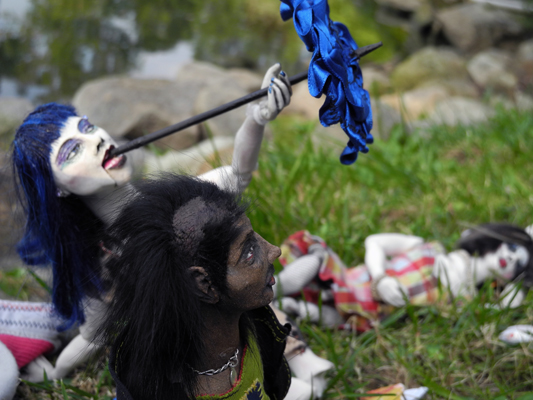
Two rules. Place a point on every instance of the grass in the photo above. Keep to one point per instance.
(432, 185)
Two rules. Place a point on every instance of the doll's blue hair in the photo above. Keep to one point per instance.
(60, 232)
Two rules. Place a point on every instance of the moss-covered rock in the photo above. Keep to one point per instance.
(429, 64)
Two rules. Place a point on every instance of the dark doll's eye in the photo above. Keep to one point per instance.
(250, 254)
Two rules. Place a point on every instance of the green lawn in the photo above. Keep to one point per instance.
(432, 186)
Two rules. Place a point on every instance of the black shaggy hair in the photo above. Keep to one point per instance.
(154, 312)
(486, 238)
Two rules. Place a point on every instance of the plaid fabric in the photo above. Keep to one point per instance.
(352, 286)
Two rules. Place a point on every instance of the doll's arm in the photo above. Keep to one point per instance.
(295, 276)
(377, 248)
(512, 296)
(250, 135)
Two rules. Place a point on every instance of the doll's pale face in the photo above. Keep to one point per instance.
(250, 275)
(506, 259)
(78, 159)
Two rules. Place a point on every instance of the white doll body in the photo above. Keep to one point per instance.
(457, 271)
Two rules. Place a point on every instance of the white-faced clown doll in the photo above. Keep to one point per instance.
(71, 190)
(402, 267)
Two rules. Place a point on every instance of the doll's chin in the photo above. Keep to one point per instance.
(120, 175)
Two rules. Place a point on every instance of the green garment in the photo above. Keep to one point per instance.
(249, 384)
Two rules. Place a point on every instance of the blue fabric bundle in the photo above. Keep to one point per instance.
(334, 71)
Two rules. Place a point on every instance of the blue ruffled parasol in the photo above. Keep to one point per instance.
(334, 71)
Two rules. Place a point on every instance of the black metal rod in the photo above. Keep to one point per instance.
(144, 140)
(151, 137)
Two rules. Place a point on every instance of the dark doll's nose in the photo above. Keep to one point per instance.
(274, 253)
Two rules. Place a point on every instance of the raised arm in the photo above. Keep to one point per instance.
(377, 248)
(250, 135)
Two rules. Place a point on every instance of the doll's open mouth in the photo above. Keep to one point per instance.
(113, 162)
(271, 280)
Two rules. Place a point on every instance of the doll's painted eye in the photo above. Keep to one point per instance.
(74, 152)
(512, 247)
(69, 150)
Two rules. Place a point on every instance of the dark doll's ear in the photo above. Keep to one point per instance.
(202, 286)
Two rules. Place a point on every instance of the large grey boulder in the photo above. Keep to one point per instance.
(475, 27)
(384, 118)
(417, 102)
(193, 160)
(402, 5)
(523, 63)
(431, 64)
(460, 111)
(464, 87)
(375, 80)
(215, 95)
(128, 107)
(302, 103)
(214, 87)
(13, 110)
(491, 70)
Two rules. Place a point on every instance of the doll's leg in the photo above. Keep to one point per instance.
(310, 368)
(9, 374)
(78, 351)
(299, 390)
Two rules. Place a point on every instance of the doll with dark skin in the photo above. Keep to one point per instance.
(191, 289)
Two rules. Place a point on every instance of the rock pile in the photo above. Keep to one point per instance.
(474, 57)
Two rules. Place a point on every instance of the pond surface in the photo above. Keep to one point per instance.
(49, 48)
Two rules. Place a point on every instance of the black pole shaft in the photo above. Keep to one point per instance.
(144, 140)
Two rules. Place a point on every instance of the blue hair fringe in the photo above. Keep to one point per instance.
(60, 232)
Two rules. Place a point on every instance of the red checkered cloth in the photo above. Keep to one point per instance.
(352, 286)
(28, 329)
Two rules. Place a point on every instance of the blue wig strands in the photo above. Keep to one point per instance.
(60, 232)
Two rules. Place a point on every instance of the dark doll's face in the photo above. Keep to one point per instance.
(250, 274)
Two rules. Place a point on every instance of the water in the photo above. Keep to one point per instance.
(49, 48)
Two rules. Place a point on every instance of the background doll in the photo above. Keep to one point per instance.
(399, 267)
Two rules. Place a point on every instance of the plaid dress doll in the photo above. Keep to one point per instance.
(351, 288)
